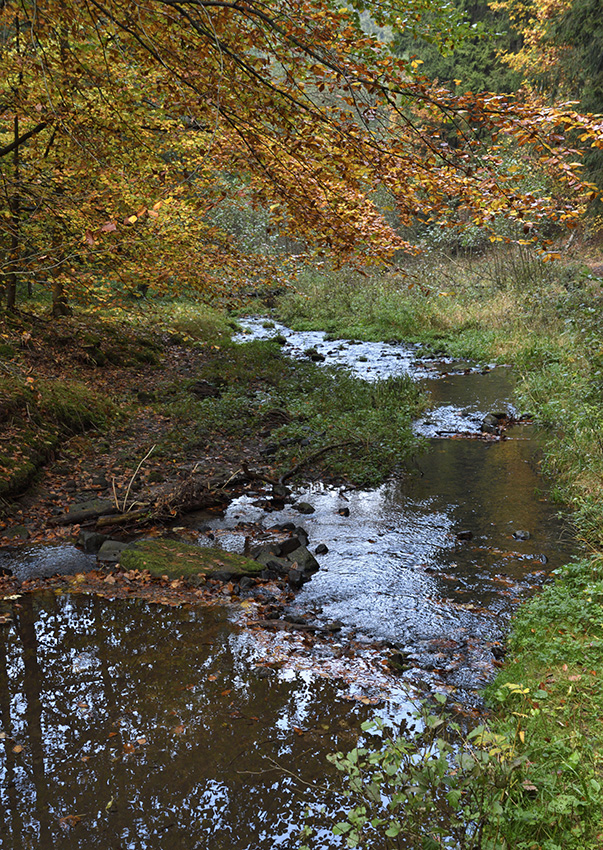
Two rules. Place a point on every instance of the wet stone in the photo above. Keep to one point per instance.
(289, 545)
(91, 541)
(110, 551)
(279, 491)
(521, 535)
(321, 549)
(297, 578)
(304, 508)
(305, 560)
(302, 534)
(17, 532)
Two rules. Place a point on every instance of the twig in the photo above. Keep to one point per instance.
(136, 471)
(314, 456)
(296, 777)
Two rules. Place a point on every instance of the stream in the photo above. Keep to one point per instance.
(126, 724)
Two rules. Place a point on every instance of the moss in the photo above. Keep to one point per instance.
(176, 559)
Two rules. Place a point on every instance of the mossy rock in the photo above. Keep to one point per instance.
(176, 559)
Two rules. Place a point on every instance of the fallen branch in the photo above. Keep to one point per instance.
(77, 517)
(123, 519)
(311, 458)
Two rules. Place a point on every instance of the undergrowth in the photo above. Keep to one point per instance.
(302, 415)
(35, 417)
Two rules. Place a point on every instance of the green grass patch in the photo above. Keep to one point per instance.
(348, 428)
(184, 560)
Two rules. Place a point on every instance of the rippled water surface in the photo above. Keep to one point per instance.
(129, 725)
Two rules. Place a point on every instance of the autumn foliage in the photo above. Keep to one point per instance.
(128, 131)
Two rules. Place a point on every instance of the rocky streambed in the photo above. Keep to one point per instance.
(205, 722)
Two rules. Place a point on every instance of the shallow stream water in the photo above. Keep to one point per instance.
(130, 725)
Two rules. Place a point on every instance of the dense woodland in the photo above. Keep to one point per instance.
(186, 146)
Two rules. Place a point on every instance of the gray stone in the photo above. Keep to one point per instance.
(521, 535)
(321, 549)
(110, 551)
(302, 534)
(493, 423)
(304, 508)
(17, 532)
(96, 507)
(304, 560)
(289, 545)
(296, 578)
(279, 565)
(279, 491)
(265, 552)
(91, 541)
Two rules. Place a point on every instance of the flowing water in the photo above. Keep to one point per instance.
(130, 725)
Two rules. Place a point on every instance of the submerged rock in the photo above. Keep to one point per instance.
(304, 508)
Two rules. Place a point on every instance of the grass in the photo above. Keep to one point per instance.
(302, 411)
(35, 417)
(544, 318)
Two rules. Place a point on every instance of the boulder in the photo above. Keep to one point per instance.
(304, 560)
(91, 541)
(111, 551)
(289, 545)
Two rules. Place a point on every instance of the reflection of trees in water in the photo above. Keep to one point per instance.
(82, 679)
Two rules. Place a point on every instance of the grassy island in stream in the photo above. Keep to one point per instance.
(540, 786)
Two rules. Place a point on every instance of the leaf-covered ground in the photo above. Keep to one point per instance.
(164, 411)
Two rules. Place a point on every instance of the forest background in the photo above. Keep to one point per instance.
(419, 171)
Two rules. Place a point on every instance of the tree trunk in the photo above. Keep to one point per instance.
(15, 226)
(60, 307)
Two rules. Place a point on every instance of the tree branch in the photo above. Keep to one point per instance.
(19, 141)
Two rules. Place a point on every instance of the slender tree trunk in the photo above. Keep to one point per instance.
(15, 226)
(12, 818)
(60, 307)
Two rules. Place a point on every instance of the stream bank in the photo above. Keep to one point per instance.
(427, 570)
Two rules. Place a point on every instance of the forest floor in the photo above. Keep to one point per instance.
(160, 409)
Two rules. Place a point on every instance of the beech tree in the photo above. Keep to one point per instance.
(125, 126)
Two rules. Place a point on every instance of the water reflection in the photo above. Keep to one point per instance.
(398, 568)
(130, 725)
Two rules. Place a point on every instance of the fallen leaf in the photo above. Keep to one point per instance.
(69, 820)
(18, 749)
(178, 730)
